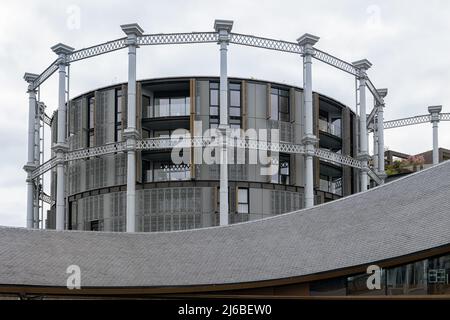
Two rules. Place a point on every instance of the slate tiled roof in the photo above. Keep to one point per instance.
(403, 217)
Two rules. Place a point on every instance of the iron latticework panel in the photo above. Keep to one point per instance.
(271, 44)
(374, 177)
(47, 119)
(335, 62)
(407, 121)
(374, 91)
(178, 38)
(43, 168)
(46, 198)
(337, 158)
(445, 117)
(95, 151)
(45, 74)
(97, 50)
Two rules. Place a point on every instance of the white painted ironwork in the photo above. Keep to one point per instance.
(43, 168)
(51, 69)
(337, 158)
(271, 44)
(375, 177)
(335, 62)
(445, 116)
(407, 121)
(374, 91)
(47, 119)
(95, 151)
(178, 38)
(46, 198)
(97, 50)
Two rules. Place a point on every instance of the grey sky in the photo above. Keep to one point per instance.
(408, 43)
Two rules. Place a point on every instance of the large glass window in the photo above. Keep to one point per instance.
(235, 106)
(279, 104)
(243, 200)
(118, 115)
(91, 121)
(164, 106)
(234, 101)
(213, 105)
(428, 276)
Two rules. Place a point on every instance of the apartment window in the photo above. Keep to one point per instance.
(170, 106)
(279, 104)
(243, 200)
(91, 109)
(213, 105)
(284, 165)
(234, 111)
(118, 136)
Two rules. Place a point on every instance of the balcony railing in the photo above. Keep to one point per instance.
(174, 108)
(334, 187)
(169, 173)
(330, 128)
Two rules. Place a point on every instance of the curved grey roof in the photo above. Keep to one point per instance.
(403, 217)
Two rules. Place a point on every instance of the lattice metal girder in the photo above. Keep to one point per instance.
(47, 119)
(370, 119)
(177, 38)
(95, 151)
(46, 198)
(337, 158)
(51, 69)
(335, 62)
(445, 117)
(43, 168)
(374, 92)
(374, 177)
(97, 50)
(283, 147)
(407, 121)
(271, 44)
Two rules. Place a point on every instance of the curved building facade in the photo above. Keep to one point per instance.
(175, 197)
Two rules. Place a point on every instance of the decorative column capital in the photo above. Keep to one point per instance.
(29, 167)
(60, 148)
(131, 133)
(30, 78)
(435, 113)
(133, 31)
(364, 157)
(223, 28)
(62, 50)
(309, 139)
(382, 93)
(307, 41)
(362, 66)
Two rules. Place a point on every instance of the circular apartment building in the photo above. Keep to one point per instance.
(174, 197)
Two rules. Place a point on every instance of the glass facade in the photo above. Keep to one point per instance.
(234, 105)
(425, 277)
(279, 104)
(96, 185)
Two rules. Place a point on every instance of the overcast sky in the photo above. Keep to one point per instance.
(408, 43)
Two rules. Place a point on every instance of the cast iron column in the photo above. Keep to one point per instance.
(307, 41)
(133, 31)
(435, 118)
(363, 66)
(223, 27)
(60, 148)
(30, 165)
